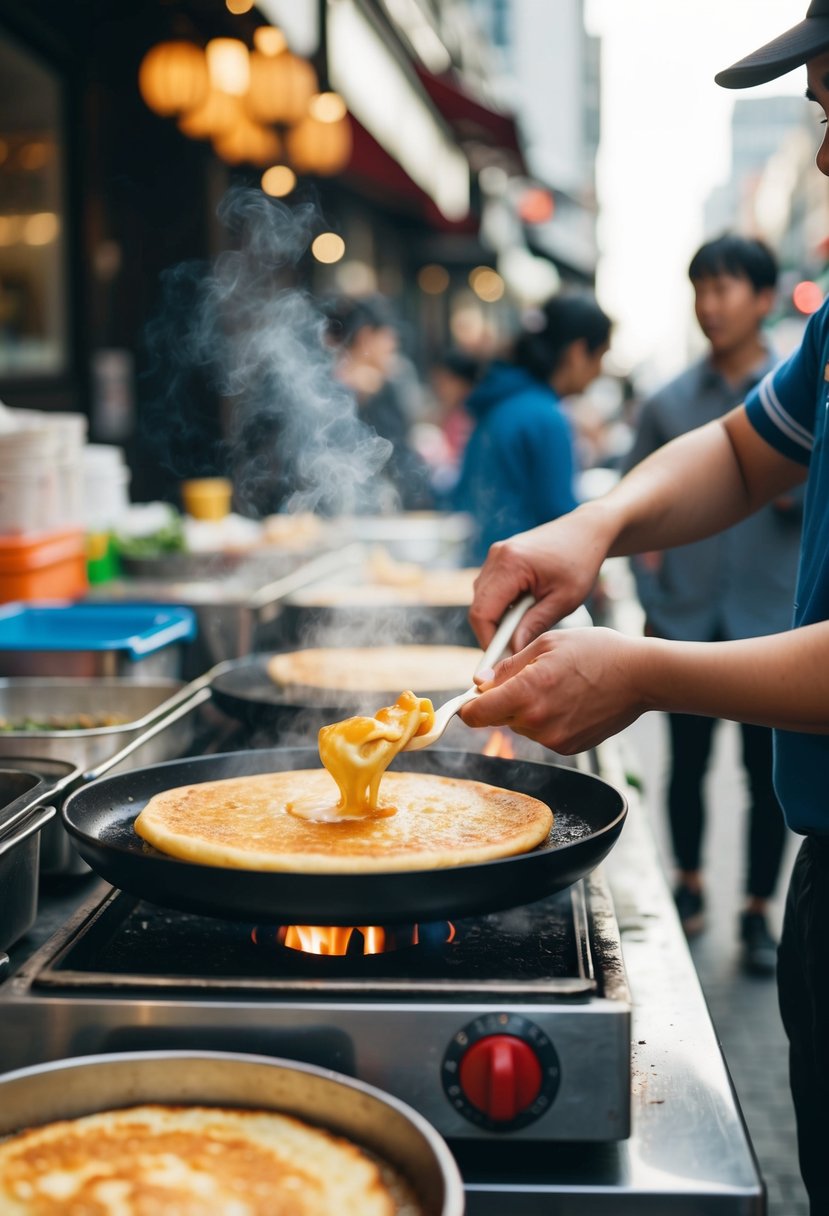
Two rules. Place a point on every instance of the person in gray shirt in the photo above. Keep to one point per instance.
(738, 584)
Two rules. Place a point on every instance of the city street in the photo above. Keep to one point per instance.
(743, 1008)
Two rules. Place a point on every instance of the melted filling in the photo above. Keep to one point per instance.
(357, 751)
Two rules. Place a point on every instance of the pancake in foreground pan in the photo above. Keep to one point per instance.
(439, 821)
(205, 1161)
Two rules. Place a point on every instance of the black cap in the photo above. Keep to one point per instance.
(791, 50)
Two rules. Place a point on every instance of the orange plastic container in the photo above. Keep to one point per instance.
(43, 565)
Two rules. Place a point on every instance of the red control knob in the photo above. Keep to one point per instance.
(501, 1076)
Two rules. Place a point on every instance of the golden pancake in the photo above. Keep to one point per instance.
(436, 821)
(377, 668)
(202, 1161)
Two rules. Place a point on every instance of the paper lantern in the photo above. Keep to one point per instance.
(281, 86)
(269, 40)
(318, 147)
(218, 114)
(228, 65)
(248, 143)
(173, 77)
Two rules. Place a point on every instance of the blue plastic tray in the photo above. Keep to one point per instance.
(135, 629)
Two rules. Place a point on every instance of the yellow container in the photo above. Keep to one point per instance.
(207, 497)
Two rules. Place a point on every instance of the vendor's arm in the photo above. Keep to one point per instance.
(570, 689)
(700, 483)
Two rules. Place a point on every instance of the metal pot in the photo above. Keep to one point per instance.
(237, 612)
(65, 1089)
(20, 829)
(57, 754)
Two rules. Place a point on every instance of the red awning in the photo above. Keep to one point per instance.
(469, 119)
(377, 174)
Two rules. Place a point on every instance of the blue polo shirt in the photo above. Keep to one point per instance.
(789, 408)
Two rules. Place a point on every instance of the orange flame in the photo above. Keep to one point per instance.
(335, 940)
(499, 744)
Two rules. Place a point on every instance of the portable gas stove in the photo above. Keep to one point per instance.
(514, 1033)
(513, 1025)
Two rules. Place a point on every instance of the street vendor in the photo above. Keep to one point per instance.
(571, 689)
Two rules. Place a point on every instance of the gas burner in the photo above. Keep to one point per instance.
(347, 940)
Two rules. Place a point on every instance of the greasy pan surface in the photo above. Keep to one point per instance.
(589, 817)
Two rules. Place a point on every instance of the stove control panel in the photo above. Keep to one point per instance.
(501, 1072)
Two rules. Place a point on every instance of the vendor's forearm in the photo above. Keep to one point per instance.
(781, 680)
(700, 483)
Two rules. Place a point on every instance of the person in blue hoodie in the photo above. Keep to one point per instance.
(519, 463)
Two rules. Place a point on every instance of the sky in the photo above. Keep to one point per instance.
(665, 145)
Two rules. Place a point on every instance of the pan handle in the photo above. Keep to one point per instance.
(319, 567)
(196, 699)
(185, 693)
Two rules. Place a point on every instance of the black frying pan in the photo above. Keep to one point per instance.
(244, 690)
(589, 817)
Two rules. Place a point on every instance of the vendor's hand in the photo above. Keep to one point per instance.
(557, 563)
(569, 689)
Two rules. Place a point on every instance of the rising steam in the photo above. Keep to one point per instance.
(241, 328)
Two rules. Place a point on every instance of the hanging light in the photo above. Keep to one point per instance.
(327, 107)
(319, 147)
(281, 87)
(228, 65)
(269, 40)
(278, 181)
(328, 247)
(218, 113)
(173, 77)
(248, 143)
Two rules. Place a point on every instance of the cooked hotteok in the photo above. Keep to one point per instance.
(202, 1161)
(333, 820)
(377, 668)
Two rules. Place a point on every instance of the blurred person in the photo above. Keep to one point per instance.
(569, 689)
(442, 437)
(366, 340)
(737, 584)
(519, 464)
(453, 376)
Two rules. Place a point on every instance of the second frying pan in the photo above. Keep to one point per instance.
(245, 691)
(589, 817)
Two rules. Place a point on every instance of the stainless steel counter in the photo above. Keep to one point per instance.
(689, 1153)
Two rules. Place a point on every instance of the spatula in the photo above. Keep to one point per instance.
(493, 652)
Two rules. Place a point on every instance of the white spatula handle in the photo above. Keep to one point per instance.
(504, 632)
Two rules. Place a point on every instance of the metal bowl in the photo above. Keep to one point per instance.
(386, 1127)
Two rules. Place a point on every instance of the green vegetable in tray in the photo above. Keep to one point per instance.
(63, 722)
(167, 539)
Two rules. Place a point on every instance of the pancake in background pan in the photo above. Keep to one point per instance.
(377, 668)
(426, 821)
(202, 1161)
(434, 589)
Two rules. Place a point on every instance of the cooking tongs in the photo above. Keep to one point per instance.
(493, 652)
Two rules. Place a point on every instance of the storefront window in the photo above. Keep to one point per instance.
(32, 217)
